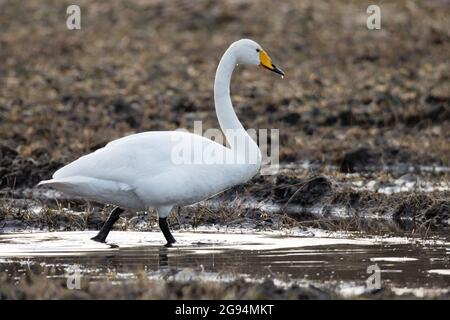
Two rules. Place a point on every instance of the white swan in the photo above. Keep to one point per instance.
(161, 169)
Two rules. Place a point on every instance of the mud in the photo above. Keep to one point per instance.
(386, 91)
(363, 118)
(19, 172)
(294, 197)
(310, 265)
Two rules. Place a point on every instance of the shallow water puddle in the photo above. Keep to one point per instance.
(77, 243)
(337, 261)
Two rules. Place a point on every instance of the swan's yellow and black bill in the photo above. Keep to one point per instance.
(266, 62)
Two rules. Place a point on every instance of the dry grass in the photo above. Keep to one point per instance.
(138, 66)
(146, 66)
(43, 284)
(39, 286)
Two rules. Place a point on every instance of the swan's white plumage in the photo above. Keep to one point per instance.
(138, 171)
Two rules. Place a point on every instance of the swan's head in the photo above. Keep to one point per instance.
(249, 52)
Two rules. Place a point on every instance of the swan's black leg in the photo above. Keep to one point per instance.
(163, 260)
(113, 217)
(166, 231)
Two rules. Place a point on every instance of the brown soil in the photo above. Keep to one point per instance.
(37, 286)
(353, 101)
(354, 98)
(351, 96)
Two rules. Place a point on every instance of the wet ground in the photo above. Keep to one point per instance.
(364, 148)
(337, 264)
(307, 232)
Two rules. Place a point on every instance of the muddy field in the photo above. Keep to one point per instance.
(364, 118)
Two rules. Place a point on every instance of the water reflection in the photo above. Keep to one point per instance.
(163, 259)
(405, 264)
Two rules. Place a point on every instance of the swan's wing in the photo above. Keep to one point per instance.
(140, 138)
(146, 169)
(100, 190)
(140, 155)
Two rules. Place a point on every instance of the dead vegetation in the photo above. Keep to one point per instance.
(40, 286)
(39, 283)
(358, 100)
(385, 92)
(355, 103)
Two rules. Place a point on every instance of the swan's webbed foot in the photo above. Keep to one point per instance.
(99, 238)
(104, 231)
(164, 226)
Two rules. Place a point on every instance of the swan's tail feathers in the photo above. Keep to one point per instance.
(73, 186)
(63, 184)
(45, 182)
(87, 183)
(105, 191)
(58, 184)
(54, 183)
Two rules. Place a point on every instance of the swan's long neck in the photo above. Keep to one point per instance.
(238, 139)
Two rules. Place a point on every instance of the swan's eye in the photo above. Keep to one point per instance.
(258, 50)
